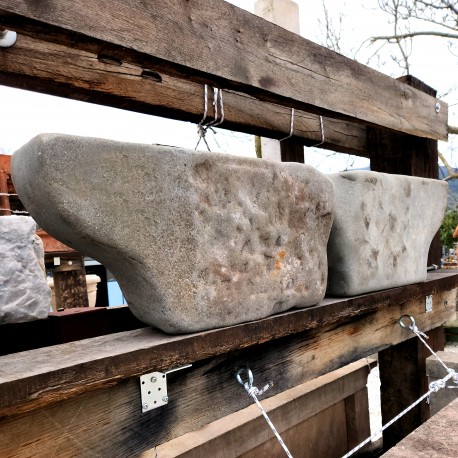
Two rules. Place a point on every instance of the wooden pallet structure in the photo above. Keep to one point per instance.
(82, 398)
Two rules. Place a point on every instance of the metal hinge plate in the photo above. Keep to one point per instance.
(429, 303)
(153, 388)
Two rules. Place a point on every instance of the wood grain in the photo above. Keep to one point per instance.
(56, 69)
(39, 377)
(243, 431)
(225, 46)
(109, 422)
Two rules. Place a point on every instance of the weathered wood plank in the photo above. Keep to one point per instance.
(202, 394)
(56, 69)
(226, 46)
(245, 430)
(35, 378)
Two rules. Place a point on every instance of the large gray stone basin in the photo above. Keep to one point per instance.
(196, 240)
(382, 230)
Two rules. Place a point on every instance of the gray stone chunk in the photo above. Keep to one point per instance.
(382, 230)
(24, 293)
(196, 240)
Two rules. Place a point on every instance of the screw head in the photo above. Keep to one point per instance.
(165, 399)
(153, 379)
(145, 406)
(438, 107)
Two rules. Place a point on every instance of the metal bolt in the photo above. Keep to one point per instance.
(145, 406)
(438, 107)
(7, 38)
(165, 399)
(153, 379)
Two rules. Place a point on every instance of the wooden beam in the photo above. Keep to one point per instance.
(39, 377)
(287, 410)
(56, 69)
(198, 396)
(70, 286)
(215, 42)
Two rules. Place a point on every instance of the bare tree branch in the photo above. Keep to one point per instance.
(453, 130)
(403, 36)
(451, 174)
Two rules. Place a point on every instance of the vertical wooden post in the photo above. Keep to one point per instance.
(70, 283)
(284, 13)
(4, 171)
(402, 367)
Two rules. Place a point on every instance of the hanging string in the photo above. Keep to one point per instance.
(434, 387)
(254, 392)
(203, 128)
(14, 212)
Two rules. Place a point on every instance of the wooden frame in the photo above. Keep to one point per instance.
(127, 60)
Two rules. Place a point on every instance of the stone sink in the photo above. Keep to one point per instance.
(382, 230)
(196, 240)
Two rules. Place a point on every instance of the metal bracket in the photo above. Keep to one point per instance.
(153, 389)
(429, 303)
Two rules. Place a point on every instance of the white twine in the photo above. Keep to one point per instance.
(15, 212)
(254, 392)
(7, 194)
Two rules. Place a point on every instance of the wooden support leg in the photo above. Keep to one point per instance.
(70, 284)
(403, 380)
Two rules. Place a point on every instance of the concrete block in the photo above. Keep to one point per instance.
(24, 293)
(196, 240)
(382, 230)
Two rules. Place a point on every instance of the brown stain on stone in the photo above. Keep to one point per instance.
(280, 256)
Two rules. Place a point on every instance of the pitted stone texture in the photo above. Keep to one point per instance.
(196, 240)
(24, 293)
(382, 230)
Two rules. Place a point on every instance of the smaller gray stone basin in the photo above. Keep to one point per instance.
(382, 230)
(196, 240)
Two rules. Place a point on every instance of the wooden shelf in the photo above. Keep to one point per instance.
(337, 331)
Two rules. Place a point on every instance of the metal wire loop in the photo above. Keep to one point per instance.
(201, 127)
(291, 127)
(403, 324)
(322, 133)
(249, 374)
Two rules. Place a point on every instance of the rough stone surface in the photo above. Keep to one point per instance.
(24, 293)
(382, 230)
(196, 240)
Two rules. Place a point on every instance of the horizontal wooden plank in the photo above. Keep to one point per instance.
(218, 43)
(109, 421)
(286, 410)
(57, 69)
(38, 377)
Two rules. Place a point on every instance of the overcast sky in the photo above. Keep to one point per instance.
(26, 114)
